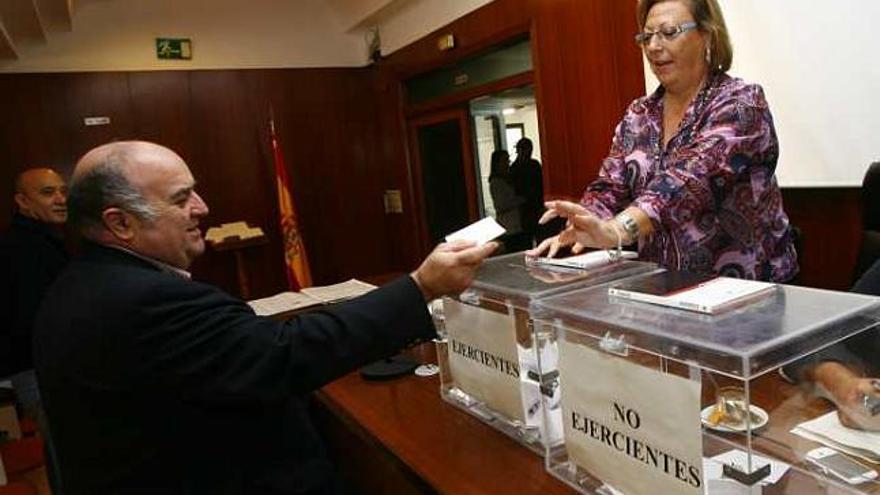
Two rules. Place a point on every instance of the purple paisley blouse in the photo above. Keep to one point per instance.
(711, 194)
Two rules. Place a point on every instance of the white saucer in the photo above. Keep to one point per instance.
(427, 370)
(762, 421)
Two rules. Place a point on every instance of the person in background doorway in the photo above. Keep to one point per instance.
(528, 183)
(507, 204)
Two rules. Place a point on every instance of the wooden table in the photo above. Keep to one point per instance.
(400, 437)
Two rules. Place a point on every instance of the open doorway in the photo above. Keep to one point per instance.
(488, 101)
(444, 173)
(500, 121)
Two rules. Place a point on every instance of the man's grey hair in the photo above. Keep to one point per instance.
(105, 186)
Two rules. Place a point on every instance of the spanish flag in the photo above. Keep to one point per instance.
(298, 274)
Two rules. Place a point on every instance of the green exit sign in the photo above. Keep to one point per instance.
(174, 48)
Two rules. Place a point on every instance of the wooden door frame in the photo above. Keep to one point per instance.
(462, 115)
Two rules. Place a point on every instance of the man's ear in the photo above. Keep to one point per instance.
(120, 223)
(22, 201)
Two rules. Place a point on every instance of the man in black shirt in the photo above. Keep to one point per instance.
(32, 254)
(528, 183)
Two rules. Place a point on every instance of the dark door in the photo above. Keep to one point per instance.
(444, 174)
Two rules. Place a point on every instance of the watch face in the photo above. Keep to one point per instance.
(629, 224)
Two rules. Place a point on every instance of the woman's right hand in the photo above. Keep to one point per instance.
(582, 229)
(552, 245)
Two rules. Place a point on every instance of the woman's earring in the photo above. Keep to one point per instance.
(708, 55)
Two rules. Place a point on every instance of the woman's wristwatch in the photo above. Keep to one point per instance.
(630, 226)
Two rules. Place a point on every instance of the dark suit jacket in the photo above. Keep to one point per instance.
(157, 384)
(32, 254)
(528, 183)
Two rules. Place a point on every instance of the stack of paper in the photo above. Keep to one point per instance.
(339, 292)
(282, 302)
(310, 296)
(586, 261)
(691, 291)
(828, 431)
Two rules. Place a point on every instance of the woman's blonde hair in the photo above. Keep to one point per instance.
(707, 14)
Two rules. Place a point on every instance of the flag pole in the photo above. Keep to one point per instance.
(295, 259)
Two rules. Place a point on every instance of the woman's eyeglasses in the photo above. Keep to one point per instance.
(664, 34)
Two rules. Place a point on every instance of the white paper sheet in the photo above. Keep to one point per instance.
(480, 232)
(284, 301)
(339, 292)
(828, 431)
(593, 259)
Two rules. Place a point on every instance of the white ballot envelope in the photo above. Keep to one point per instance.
(480, 232)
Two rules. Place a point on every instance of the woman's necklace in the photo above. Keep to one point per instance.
(685, 126)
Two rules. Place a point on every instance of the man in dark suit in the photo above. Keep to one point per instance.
(528, 183)
(154, 383)
(32, 254)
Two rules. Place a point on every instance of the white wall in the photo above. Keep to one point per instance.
(818, 66)
(120, 35)
(528, 116)
(355, 13)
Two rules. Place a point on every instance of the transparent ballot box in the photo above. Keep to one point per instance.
(488, 364)
(656, 399)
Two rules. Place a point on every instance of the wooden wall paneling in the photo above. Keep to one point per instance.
(550, 92)
(364, 210)
(830, 221)
(160, 109)
(33, 131)
(404, 245)
(11, 153)
(326, 125)
(331, 189)
(232, 177)
(581, 89)
(629, 67)
(291, 95)
(99, 94)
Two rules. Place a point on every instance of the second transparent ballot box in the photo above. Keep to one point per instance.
(488, 365)
(655, 399)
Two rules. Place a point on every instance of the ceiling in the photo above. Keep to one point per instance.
(515, 98)
(28, 23)
(120, 35)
